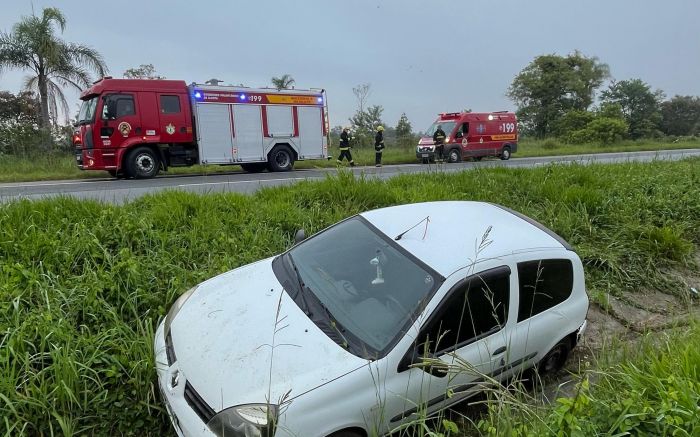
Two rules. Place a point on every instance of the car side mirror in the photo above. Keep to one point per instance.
(426, 362)
(111, 112)
(299, 236)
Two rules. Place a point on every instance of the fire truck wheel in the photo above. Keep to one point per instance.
(142, 163)
(505, 153)
(454, 156)
(280, 158)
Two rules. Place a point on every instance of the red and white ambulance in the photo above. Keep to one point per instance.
(135, 128)
(472, 135)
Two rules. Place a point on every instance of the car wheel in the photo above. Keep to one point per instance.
(454, 156)
(254, 167)
(555, 358)
(280, 159)
(505, 153)
(142, 163)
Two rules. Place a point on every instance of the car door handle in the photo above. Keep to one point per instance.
(499, 351)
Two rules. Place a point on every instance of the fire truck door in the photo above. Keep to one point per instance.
(118, 120)
(248, 134)
(173, 122)
(310, 132)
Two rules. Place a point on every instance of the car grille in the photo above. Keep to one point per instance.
(169, 350)
(425, 149)
(195, 401)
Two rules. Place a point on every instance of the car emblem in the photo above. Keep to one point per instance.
(170, 129)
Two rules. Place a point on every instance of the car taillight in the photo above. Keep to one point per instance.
(76, 139)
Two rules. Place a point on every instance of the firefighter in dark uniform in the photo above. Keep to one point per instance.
(439, 140)
(378, 146)
(345, 147)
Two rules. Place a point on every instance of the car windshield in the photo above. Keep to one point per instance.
(367, 283)
(87, 110)
(447, 127)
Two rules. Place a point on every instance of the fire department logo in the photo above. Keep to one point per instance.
(124, 128)
(481, 128)
(170, 129)
(464, 141)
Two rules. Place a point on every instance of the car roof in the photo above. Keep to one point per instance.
(455, 231)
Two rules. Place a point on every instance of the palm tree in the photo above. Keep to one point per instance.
(53, 63)
(282, 83)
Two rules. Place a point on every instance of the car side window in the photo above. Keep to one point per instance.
(169, 104)
(476, 307)
(117, 106)
(463, 130)
(543, 284)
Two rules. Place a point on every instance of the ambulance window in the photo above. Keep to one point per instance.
(169, 104)
(463, 130)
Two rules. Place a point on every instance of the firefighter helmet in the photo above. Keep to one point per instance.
(380, 128)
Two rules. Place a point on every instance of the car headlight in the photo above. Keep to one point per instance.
(251, 420)
(176, 308)
(447, 140)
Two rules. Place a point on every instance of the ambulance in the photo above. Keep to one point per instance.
(472, 135)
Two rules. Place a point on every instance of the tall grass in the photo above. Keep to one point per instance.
(83, 284)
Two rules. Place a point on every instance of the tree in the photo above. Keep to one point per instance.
(23, 106)
(143, 71)
(403, 127)
(552, 85)
(362, 93)
(681, 116)
(640, 105)
(282, 83)
(364, 123)
(53, 63)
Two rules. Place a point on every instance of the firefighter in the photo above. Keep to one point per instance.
(439, 140)
(345, 147)
(378, 146)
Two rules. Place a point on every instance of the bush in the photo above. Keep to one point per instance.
(550, 144)
(602, 130)
(572, 121)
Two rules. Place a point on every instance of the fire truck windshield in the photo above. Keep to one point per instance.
(447, 127)
(87, 111)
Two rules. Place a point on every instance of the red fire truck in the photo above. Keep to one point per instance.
(135, 128)
(472, 135)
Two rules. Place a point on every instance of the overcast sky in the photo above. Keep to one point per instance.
(420, 57)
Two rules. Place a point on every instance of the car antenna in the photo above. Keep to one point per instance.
(426, 220)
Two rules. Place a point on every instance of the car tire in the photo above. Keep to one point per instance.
(555, 358)
(505, 153)
(280, 158)
(142, 163)
(254, 167)
(454, 156)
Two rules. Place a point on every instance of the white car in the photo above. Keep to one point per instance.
(331, 337)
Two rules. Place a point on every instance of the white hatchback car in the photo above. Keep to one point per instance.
(329, 338)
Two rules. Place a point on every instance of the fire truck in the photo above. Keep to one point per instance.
(472, 135)
(136, 128)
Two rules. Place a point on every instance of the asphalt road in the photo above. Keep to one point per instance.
(119, 191)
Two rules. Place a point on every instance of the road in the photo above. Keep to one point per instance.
(120, 191)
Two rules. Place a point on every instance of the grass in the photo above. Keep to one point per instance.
(62, 166)
(83, 284)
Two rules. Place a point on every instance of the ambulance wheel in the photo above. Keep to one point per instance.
(280, 159)
(255, 167)
(505, 153)
(142, 163)
(454, 156)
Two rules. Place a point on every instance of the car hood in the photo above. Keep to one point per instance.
(426, 141)
(225, 333)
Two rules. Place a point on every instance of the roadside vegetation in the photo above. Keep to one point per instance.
(83, 285)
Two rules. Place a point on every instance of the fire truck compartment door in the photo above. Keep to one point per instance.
(310, 132)
(248, 139)
(215, 140)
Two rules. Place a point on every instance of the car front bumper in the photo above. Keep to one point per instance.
(185, 421)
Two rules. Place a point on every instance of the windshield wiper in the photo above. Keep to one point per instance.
(302, 286)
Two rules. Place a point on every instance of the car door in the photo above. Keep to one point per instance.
(173, 120)
(463, 343)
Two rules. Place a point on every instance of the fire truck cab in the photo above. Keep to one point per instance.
(135, 128)
(472, 135)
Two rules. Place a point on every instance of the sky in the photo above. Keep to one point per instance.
(420, 57)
